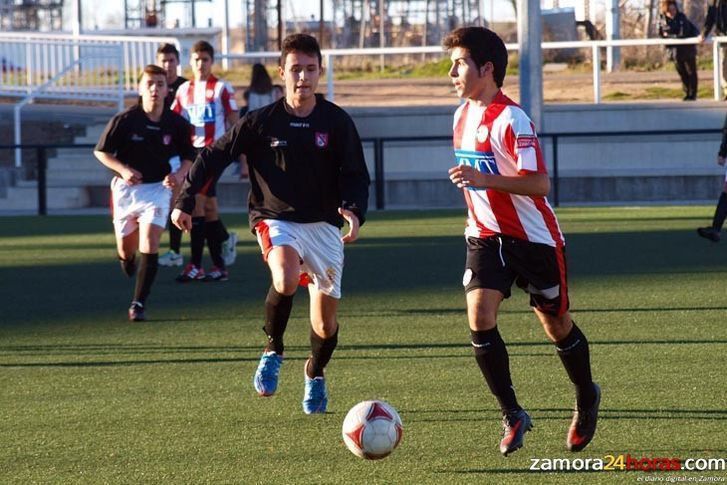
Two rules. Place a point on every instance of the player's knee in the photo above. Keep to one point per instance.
(325, 327)
(557, 327)
(483, 321)
(285, 284)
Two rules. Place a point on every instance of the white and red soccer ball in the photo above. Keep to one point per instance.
(372, 430)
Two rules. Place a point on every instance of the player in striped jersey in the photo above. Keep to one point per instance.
(209, 105)
(512, 233)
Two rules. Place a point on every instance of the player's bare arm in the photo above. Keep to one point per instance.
(353, 225)
(130, 176)
(535, 184)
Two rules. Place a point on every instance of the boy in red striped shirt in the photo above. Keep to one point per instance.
(209, 105)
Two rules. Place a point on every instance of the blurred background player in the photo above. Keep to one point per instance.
(168, 59)
(512, 234)
(137, 145)
(720, 212)
(209, 105)
(307, 175)
(261, 92)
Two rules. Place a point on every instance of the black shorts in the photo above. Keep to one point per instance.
(209, 189)
(496, 262)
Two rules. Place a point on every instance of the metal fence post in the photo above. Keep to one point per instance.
(42, 164)
(379, 172)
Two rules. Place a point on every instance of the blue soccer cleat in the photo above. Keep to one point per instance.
(315, 397)
(266, 375)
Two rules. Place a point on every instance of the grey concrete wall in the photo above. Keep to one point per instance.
(591, 169)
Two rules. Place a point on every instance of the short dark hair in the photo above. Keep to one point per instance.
(304, 43)
(203, 46)
(153, 70)
(167, 48)
(483, 45)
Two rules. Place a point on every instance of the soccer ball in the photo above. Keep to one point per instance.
(372, 429)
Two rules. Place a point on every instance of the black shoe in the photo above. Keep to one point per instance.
(583, 426)
(708, 233)
(136, 312)
(514, 427)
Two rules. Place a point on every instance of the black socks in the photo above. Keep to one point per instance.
(321, 353)
(491, 356)
(196, 237)
(145, 277)
(277, 312)
(128, 266)
(573, 352)
(175, 238)
(215, 233)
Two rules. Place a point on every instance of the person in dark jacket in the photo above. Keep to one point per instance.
(720, 212)
(717, 18)
(674, 24)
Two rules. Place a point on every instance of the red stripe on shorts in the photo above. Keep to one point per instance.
(263, 233)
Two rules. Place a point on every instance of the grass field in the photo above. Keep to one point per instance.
(87, 397)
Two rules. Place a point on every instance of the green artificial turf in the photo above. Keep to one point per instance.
(87, 397)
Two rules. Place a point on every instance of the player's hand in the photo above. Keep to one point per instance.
(701, 38)
(465, 176)
(182, 220)
(131, 176)
(353, 225)
(721, 160)
(170, 181)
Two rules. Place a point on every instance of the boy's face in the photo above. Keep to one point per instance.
(201, 65)
(301, 74)
(467, 79)
(170, 63)
(153, 89)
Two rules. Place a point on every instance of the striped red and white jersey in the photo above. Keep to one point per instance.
(501, 140)
(205, 104)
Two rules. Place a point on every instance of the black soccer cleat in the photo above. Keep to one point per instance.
(514, 427)
(709, 233)
(136, 312)
(583, 426)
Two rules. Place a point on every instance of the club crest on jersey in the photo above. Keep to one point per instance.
(209, 93)
(321, 139)
(482, 133)
(167, 139)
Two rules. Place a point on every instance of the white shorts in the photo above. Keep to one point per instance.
(138, 204)
(318, 244)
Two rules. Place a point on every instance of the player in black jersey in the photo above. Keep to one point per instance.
(137, 146)
(168, 59)
(307, 175)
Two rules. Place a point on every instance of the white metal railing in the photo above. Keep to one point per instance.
(95, 74)
(595, 47)
(30, 59)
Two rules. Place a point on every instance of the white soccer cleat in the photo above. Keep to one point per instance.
(229, 250)
(171, 258)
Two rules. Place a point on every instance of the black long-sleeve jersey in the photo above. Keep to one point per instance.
(147, 145)
(301, 169)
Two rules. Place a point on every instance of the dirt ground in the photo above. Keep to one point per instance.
(557, 88)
